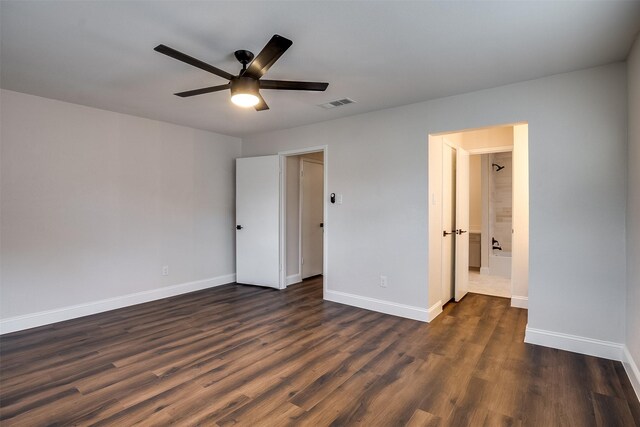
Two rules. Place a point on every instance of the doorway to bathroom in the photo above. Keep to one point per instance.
(479, 213)
(491, 217)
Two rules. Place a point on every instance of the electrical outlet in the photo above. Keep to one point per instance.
(165, 270)
(383, 281)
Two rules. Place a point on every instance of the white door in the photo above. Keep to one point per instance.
(448, 220)
(258, 221)
(311, 217)
(462, 224)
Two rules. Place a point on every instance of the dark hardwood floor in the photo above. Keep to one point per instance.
(252, 356)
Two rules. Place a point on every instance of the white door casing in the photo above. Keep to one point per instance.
(462, 224)
(258, 213)
(311, 216)
(520, 218)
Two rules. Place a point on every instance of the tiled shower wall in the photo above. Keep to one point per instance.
(500, 199)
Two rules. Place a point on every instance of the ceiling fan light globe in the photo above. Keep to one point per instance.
(245, 100)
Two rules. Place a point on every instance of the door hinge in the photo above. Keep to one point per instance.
(302, 261)
(301, 173)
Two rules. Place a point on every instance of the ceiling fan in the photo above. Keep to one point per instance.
(245, 87)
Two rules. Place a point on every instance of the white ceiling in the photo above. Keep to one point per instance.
(381, 54)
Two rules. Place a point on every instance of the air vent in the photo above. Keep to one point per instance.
(337, 103)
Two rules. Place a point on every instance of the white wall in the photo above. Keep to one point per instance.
(378, 161)
(633, 212)
(94, 203)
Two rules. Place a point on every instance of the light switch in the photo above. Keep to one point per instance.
(339, 199)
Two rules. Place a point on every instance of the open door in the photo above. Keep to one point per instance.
(448, 221)
(311, 217)
(258, 221)
(462, 224)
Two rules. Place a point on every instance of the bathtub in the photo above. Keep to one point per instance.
(500, 264)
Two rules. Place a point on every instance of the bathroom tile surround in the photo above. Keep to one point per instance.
(500, 199)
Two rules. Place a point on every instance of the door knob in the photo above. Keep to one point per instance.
(460, 231)
(238, 227)
(322, 224)
(445, 234)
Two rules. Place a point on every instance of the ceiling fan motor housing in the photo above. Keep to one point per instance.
(244, 85)
(243, 56)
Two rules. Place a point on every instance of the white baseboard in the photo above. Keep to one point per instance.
(27, 321)
(294, 278)
(519, 302)
(633, 372)
(434, 311)
(395, 309)
(574, 343)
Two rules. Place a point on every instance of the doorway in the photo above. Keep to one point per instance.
(266, 233)
(478, 213)
(311, 216)
(491, 209)
(303, 241)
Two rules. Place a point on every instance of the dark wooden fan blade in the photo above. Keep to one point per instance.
(267, 56)
(166, 50)
(203, 90)
(291, 85)
(262, 105)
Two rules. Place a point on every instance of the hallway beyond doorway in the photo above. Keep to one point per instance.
(489, 285)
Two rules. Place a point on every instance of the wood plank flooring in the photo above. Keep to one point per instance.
(242, 355)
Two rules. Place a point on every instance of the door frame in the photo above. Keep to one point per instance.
(283, 213)
(300, 195)
(462, 241)
(434, 216)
